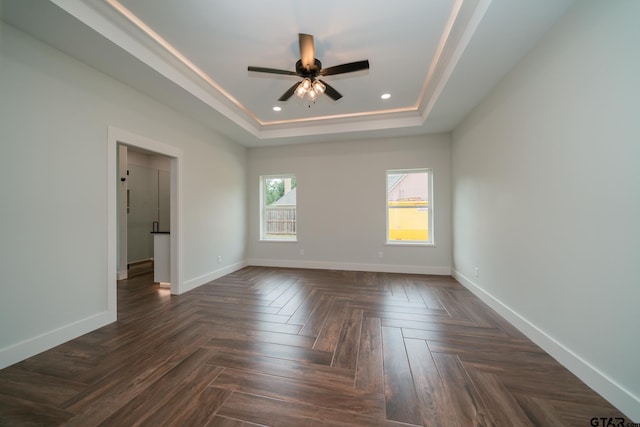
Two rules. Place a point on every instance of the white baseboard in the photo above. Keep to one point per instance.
(139, 261)
(617, 395)
(378, 268)
(32, 346)
(124, 274)
(206, 278)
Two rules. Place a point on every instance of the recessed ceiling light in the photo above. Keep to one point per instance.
(276, 108)
(385, 96)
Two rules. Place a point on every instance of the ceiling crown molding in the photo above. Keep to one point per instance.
(116, 23)
(108, 21)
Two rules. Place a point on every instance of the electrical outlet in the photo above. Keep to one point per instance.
(380, 254)
(301, 251)
(219, 259)
(477, 272)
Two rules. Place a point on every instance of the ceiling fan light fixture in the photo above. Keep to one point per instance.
(303, 87)
(319, 87)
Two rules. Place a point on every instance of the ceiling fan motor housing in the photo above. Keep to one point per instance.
(311, 72)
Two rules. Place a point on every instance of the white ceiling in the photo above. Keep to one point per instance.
(437, 58)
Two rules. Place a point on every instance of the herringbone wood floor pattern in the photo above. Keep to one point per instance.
(289, 347)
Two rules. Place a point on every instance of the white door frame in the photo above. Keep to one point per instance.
(114, 137)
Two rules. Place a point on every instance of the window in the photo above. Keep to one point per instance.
(409, 206)
(278, 207)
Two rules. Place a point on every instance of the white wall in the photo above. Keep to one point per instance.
(341, 204)
(546, 197)
(54, 117)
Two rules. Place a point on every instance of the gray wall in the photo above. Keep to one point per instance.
(546, 197)
(54, 119)
(341, 202)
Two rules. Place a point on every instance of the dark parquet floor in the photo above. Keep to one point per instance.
(290, 347)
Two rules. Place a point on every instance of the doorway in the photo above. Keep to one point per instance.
(120, 140)
(144, 197)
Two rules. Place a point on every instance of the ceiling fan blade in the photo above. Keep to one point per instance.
(345, 68)
(272, 71)
(285, 96)
(330, 91)
(307, 51)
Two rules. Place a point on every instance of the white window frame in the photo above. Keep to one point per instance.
(430, 216)
(263, 210)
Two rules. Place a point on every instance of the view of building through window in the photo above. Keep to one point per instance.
(278, 207)
(409, 217)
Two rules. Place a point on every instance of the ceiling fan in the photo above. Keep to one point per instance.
(310, 69)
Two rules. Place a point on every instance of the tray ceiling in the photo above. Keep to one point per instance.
(435, 58)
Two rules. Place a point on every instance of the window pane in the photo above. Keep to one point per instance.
(279, 207)
(408, 206)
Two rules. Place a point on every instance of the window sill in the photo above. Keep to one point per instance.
(418, 244)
